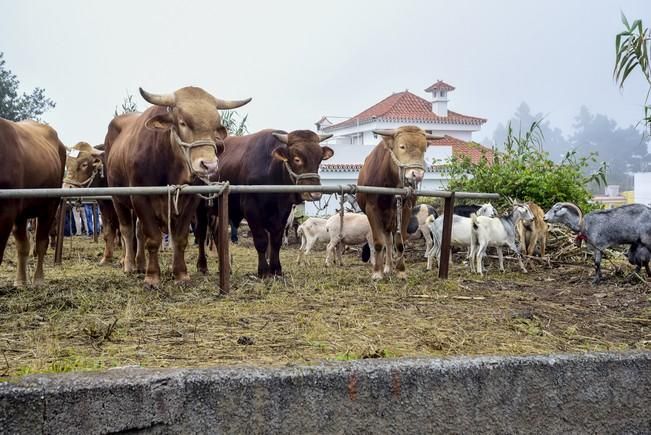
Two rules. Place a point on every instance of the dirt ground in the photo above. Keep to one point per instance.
(89, 316)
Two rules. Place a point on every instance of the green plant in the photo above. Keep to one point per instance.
(234, 125)
(632, 52)
(525, 172)
(128, 106)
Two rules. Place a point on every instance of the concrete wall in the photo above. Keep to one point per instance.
(605, 393)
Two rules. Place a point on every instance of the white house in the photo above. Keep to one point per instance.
(353, 138)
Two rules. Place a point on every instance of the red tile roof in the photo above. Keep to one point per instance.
(440, 85)
(459, 148)
(462, 148)
(405, 107)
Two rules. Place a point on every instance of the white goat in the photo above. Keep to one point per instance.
(460, 232)
(356, 231)
(497, 232)
(311, 231)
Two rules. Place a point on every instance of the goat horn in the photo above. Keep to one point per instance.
(230, 104)
(158, 99)
(575, 207)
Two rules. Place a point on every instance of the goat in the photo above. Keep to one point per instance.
(418, 228)
(311, 231)
(639, 255)
(530, 233)
(289, 224)
(460, 232)
(356, 231)
(602, 229)
(497, 232)
(465, 210)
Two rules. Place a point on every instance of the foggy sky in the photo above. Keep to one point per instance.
(302, 59)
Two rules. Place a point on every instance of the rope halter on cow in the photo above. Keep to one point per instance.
(98, 169)
(402, 168)
(298, 177)
(186, 148)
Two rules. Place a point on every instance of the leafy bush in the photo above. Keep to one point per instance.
(524, 172)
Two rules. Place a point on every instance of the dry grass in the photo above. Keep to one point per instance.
(90, 317)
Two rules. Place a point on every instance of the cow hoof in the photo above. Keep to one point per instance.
(20, 284)
(402, 275)
(152, 283)
(377, 276)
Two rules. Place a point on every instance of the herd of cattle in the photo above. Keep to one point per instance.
(180, 140)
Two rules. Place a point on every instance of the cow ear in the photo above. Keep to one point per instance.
(326, 153)
(160, 122)
(221, 132)
(280, 153)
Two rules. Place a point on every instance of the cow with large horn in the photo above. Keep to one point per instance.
(32, 157)
(397, 161)
(175, 142)
(269, 157)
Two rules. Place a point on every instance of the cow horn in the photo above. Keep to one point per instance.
(323, 137)
(284, 138)
(158, 99)
(390, 133)
(228, 104)
(430, 136)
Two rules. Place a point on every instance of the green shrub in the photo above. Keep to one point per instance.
(523, 171)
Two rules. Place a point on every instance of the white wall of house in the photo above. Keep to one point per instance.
(642, 187)
(330, 203)
(353, 134)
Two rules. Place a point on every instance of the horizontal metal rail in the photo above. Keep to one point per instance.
(107, 192)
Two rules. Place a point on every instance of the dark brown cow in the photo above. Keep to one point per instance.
(175, 142)
(86, 168)
(32, 157)
(269, 157)
(397, 161)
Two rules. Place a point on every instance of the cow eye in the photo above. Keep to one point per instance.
(402, 147)
(297, 160)
(182, 124)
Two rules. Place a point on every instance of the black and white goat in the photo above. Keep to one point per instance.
(460, 232)
(497, 232)
(628, 224)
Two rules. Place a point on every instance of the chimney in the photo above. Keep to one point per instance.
(439, 91)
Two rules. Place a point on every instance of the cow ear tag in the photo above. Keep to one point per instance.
(73, 153)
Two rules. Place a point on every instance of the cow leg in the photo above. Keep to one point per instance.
(6, 224)
(109, 230)
(260, 241)
(180, 229)
(22, 252)
(200, 231)
(127, 232)
(379, 241)
(43, 226)
(275, 242)
(141, 261)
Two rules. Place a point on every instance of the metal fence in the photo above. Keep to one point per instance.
(222, 190)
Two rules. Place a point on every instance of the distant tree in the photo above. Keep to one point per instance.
(555, 143)
(234, 123)
(625, 149)
(632, 52)
(15, 106)
(128, 106)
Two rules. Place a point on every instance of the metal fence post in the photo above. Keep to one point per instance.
(95, 226)
(448, 213)
(223, 243)
(58, 248)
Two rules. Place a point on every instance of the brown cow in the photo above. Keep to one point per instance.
(398, 160)
(86, 168)
(32, 158)
(175, 142)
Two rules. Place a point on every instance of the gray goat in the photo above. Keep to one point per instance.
(602, 229)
